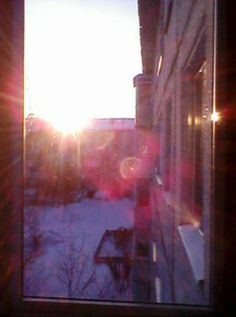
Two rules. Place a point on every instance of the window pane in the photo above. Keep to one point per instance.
(117, 192)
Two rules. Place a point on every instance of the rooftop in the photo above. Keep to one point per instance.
(112, 124)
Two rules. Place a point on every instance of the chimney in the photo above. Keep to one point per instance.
(143, 118)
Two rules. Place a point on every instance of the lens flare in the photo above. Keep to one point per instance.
(130, 167)
(215, 116)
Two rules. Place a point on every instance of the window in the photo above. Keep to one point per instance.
(160, 149)
(12, 301)
(168, 148)
(193, 94)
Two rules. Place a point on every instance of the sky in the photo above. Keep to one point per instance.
(80, 58)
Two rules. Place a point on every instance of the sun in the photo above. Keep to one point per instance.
(68, 124)
(70, 73)
(65, 121)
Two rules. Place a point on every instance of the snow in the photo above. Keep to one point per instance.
(60, 243)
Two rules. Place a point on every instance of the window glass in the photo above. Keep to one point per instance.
(118, 150)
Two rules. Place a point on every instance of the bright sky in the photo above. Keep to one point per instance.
(81, 57)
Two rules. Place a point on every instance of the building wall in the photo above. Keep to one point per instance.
(181, 188)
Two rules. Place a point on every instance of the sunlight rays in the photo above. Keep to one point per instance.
(78, 61)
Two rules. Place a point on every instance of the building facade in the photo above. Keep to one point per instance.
(175, 92)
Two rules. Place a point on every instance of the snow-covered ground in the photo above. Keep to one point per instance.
(59, 247)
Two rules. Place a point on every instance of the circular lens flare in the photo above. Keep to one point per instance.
(130, 167)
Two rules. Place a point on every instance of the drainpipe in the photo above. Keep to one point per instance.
(142, 215)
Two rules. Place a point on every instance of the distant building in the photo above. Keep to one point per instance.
(174, 106)
(101, 157)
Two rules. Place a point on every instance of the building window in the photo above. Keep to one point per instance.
(159, 131)
(167, 147)
(193, 92)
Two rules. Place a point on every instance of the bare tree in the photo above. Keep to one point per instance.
(77, 272)
(74, 270)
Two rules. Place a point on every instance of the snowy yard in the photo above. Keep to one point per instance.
(60, 243)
